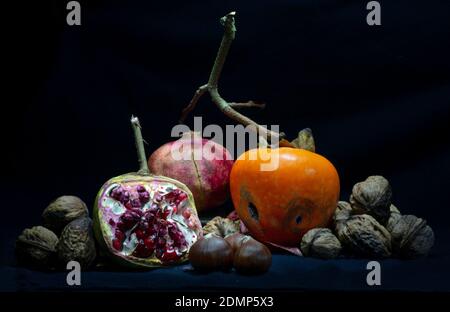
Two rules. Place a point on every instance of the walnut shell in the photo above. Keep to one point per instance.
(372, 197)
(320, 243)
(221, 227)
(36, 247)
(341, 214)
(363, 236)
(411, 236)
(62, 211)
(394, 216)
(77, 243)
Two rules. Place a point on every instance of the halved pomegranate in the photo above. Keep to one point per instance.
(144, 220)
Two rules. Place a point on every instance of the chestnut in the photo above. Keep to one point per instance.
(211, 253)
(235, 240)
(252, 257)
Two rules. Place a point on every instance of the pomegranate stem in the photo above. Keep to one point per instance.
(143, 166)
(228, 22)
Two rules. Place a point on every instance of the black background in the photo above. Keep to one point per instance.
(376, 97)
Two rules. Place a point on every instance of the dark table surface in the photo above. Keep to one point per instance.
(288, 272)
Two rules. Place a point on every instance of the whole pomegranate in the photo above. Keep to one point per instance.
(144, 220)
(203, 165)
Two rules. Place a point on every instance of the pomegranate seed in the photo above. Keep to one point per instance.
(140, 188)
(169, 255)
(157, 198)
(125, 197)
(121, 226)
(142, 251)
(144, 197)
(182, 197)
(164, 214)
(149, 217)
(140, 234)
(119, 235)
(153, 208)
(116, 193)
(143, 225)
(149, 243)
(187, 213)
(111, 222)
(138, 212)
(161, 243)
(117, 244)
(136, 203)
(162, 231)
(128, 205)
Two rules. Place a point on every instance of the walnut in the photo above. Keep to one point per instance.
(221, 227)
(320, 243)
(363, 236)
(372, 197)
(62, 211)
(342, 213)
(36, 247)
(77, 243)
(394, 216)
(411, 236)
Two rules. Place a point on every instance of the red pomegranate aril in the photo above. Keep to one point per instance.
(128, 205)
(125, 197)
(119, 235)
(177, 238)
(187, 213)
(142, 251)
(111, 222)
(143, 226)
(140, 189)
(149, 216)
(144, 197)
(136, 203)
(130, 216)
(116, 193)
(164, 213)
(161, 243)
(140, 234)
(162, 231)
(153, 208)
(117, 244)
(157, 198)
(121, 226)
(182, 196)
(149, 242)
(169, 255)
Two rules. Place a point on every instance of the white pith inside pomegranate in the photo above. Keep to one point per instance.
(144, 220)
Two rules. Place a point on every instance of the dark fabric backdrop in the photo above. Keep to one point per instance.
(377, 98)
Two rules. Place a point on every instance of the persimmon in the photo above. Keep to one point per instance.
(281, 205)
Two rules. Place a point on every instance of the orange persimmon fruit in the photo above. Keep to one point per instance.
(279, 206)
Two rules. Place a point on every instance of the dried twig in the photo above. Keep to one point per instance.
(211, 87)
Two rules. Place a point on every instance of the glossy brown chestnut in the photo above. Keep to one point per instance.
(252, 257)
(235, 240)
(211, 253)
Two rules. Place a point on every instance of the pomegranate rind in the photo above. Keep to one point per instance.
(207, 178)
(102, 231)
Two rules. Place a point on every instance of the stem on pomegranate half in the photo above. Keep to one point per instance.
(143, 166)
(211, 87)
